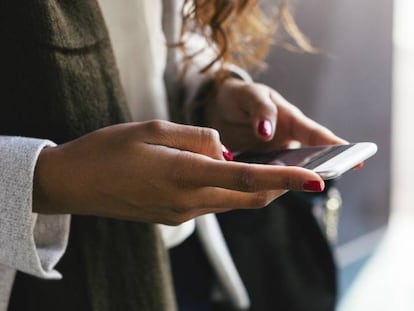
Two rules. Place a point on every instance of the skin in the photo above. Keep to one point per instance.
(240, 107)
(161, 172)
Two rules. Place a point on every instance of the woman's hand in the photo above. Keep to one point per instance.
(157, 172)
(252, 116)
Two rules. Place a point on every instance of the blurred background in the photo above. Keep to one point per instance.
(360, 85)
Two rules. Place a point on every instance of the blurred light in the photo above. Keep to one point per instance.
(403, 106)
(404, 22)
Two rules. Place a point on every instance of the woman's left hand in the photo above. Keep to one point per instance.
(253, 116)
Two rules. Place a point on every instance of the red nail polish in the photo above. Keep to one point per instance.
(228, 156)
(313, 185)
(358, 166)
(265, 128)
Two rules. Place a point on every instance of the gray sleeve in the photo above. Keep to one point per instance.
(29, 242)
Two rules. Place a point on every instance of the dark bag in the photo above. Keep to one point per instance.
(61, 82)
(281, 253)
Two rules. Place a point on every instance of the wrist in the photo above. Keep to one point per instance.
(42, 183)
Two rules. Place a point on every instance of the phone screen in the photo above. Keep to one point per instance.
(307, 157)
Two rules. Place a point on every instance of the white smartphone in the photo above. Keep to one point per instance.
(328, 161)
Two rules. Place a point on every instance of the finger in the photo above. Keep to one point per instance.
(302, 128)
(249, 177)
(218, 200)
(205, 200)
(196, 139)
(262, 111)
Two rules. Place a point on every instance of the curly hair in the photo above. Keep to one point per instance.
(240, 32)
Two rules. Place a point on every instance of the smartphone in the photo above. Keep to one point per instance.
(329, 161)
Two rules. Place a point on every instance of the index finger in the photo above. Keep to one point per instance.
(304, 129)
(246, 177)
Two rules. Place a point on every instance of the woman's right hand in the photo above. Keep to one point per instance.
(157, 172)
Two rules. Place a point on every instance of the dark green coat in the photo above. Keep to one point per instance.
(59, 82)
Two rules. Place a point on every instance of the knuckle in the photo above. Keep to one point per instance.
(245, 180)
(288, 183)
(271, 108)
(291, 183)
(157, 127)
(179, 168)
(210, 140)
(209, 135)
(262, 199)
(266, 109)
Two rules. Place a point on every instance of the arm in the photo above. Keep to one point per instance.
(240, 107)
(157, 172)
(29, 242)
(253, 116)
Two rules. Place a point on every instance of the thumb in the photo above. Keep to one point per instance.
(263, 113)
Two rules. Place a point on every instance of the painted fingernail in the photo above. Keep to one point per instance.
(228, 156)
(313, 185)
(265, 128)
(358, 166)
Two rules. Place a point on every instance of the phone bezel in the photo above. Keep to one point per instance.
(338, 161)
(346, 160)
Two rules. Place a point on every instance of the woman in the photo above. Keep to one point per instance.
(63, 88)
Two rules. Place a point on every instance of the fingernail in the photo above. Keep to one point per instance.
(358, 166)
(265, 128)
(313, 185)
(228, 156)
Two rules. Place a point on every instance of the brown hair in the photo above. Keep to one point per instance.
(239, 32)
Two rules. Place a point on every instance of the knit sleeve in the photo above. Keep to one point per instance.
(29, 242)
